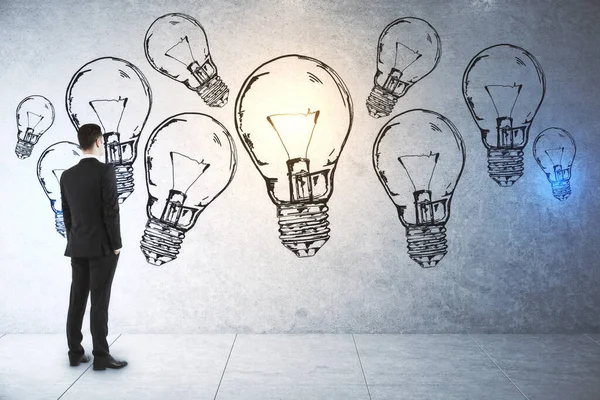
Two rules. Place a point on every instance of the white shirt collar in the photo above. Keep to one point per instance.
(92, 156)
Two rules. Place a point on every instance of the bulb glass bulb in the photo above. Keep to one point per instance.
(35, 115)
(554, 150)
(293, 115)
(52, 163)
(190, 159)
(176, 46)
(503, 87)
(115, 95)
(419, 157)
(407, 51)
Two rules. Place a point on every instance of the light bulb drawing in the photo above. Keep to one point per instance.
(408, 50)
(115, 95)
(190, 160)
(35, 115)
(504, 86)
(177, 47)
(52, 163)
(554, 150)
(293, 115)
(419, 157)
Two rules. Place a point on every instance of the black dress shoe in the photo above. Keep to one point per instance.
(101, 363)
(74, 361)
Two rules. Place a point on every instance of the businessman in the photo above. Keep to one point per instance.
(91, 215)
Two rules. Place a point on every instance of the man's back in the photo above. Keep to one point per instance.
(91, 209)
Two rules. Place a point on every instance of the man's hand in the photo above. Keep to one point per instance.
(117, 251)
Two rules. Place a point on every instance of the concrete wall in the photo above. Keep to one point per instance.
(518, 260)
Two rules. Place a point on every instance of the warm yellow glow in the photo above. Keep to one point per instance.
(294, 131)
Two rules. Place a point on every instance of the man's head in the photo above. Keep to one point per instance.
(91, 140)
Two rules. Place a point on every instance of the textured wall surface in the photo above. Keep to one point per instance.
(518, 261)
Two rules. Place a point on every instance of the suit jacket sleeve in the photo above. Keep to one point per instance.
(110, 206)
(65, 206)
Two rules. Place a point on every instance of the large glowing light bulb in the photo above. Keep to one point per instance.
(35, 115)
(419, 157)
(176, 46)
(115, 95)
(554, 150)
(504, 86)
(190, 159)
(407, 51)
(293, 115)
(52, 163)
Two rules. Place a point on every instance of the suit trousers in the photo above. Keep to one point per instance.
(93, 275)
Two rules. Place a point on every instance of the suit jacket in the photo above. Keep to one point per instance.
(90, 209)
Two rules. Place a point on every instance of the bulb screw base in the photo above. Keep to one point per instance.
(161, 242)
(23, 149)
(303, 228)
(125, 184)
(505, 166)
(215, 92)
(427, 244)
(59, 223)
(380, 103)
(561, 190)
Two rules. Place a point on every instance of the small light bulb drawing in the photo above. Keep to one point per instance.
(176, 46)
(419, 157)
(190, 160)
(52, 163)
(115, 95)
(35, 115)
(554, 150)
(408, 50)
(504, 86)
(293, 115)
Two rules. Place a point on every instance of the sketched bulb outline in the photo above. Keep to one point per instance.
(504, 86)
(419, 157)
(293, 114)
(407, 51)
(554, 150)
(35, 115)
(190, 160)
(115, 95)
(177, 47)
(52, 163)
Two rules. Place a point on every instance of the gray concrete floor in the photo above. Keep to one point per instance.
(310, 366)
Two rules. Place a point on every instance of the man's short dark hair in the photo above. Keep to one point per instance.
(87, 135)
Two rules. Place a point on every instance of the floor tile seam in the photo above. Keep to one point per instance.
(591, 338)
(84, 371)
(321, 385)
(361, 367)
(225, 368)
(496, 364)
(181, 333)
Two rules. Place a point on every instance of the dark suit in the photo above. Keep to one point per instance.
(91, 215)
